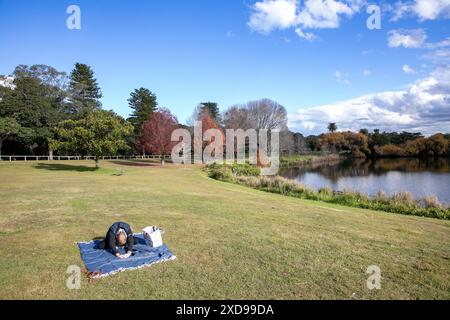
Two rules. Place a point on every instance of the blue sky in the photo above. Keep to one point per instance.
(234, 51)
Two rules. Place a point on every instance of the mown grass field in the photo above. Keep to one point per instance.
(231, 241)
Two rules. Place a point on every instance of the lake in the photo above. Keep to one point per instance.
(421, 177)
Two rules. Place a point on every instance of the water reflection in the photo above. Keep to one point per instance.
(422, 177)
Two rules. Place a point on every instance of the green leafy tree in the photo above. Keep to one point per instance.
(364, 131)
(332, 127)
(47, 74)
(144, 104)
(84, 91)
(10, 127)
(100, 133)
(33, 107)
(55, 81)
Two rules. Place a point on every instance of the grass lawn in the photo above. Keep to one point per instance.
(231, 241)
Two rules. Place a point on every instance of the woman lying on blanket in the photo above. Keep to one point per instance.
(119, 235)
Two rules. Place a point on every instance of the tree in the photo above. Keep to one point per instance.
(332, 127)
(287, 142)
(299, 143)
(437, 145)
(211, 109)
(364, 131)
(267, 114)
(84, 90)
(32, 104)
(143, 102)
(333, 142)
(54, 81)
(260, 114)
(156, 133)
(205, 109)
(237, 117)
(209, 123)
(8, 128)
(48, 75)
(100, 133)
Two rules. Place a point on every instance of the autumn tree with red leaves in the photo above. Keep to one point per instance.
(209, 123)
(156, 133)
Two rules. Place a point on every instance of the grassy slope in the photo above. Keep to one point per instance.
(231, 241)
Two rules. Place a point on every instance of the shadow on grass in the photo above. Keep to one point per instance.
(64, 167)
(138, 163)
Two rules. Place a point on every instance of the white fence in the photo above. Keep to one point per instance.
(50, 158)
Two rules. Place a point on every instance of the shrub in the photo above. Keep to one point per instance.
(251, 181)
(326, 192)
(382, 196)
(431, 202)
(222, 173)
(305, 191)
(403, 197)
(245, 169)
(236, 169)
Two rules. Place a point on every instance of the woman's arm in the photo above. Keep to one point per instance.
(130, 242)
(112, 242)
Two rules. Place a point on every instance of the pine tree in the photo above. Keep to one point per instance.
(211, 109)
(144, 104)
(84, 90)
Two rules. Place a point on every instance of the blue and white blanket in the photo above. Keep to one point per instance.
(102, 263)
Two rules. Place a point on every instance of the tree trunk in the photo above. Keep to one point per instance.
(162, 161)
(97, 162)
(50, 153)
(1, 143)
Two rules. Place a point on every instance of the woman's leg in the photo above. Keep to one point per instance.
(101, 245)
(104, 243)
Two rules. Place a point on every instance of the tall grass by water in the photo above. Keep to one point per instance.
(401, 202)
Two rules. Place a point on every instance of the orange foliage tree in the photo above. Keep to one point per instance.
(209, 123)
(156, 133)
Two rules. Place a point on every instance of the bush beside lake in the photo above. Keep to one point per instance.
(401, 202)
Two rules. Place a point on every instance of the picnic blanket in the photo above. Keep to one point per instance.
(102, 263)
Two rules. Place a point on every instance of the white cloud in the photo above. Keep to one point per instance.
(408, 70)
(273, 14)
(269, 15)
(416, 38)
(342, 78)
(367, 73)
(424, 106)
(406, 38)
(431, 9)
(305, 35)
(399, 10)
(422, 9)
(440, 44)
(325, 14)
(440, 55)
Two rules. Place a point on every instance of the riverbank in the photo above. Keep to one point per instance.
(308, 160)
(401, 202)
(423, 177)
(231, 241)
